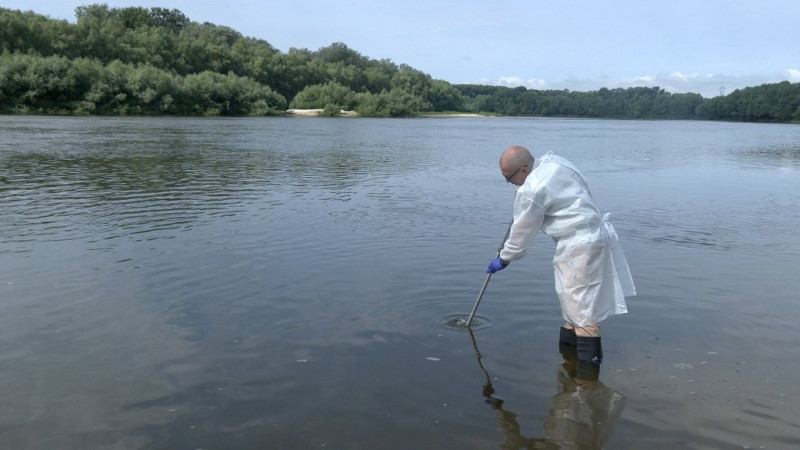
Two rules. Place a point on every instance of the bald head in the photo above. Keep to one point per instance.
(514, 157)
(516, 163)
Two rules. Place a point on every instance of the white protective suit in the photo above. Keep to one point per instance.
(592, 277)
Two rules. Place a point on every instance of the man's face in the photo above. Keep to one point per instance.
(514, 175)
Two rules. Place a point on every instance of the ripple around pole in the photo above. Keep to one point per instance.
(458, 322)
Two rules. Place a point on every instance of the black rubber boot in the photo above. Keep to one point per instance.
(566, 344)
(567, 337)
(590, 349)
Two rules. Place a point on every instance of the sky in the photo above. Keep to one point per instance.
(702, 46)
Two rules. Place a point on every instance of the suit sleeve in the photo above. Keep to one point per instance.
(528, 218)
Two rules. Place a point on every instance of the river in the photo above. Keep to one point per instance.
(279, 283)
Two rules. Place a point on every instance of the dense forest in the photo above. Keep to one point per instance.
(156, 61)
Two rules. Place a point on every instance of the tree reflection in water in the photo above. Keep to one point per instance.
(582, 413)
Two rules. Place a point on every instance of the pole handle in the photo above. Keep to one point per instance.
(488, 277)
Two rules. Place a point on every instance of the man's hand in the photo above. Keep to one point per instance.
(495, 265)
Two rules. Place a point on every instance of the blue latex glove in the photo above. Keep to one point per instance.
(495, 265)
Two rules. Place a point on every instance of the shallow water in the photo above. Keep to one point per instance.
(276, 283)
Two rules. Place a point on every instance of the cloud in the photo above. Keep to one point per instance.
(637, 81)
(531, 83)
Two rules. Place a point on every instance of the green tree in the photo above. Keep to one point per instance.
(321, 95)
(39, 84)
(108, 91)
(210, 93)
(338, 52)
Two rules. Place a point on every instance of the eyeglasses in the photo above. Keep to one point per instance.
(509, 177)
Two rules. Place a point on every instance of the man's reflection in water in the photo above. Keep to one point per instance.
(582, 413)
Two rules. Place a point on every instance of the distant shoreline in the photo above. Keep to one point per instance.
(294, 112)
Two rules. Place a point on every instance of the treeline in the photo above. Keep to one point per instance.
(143, 61)
(777, 102)
(635, 103)
(137, 60)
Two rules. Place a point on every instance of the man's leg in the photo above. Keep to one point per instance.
(567, 346)
(566, 336)
(578, 270)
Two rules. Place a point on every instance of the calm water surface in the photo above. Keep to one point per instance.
(276, 283)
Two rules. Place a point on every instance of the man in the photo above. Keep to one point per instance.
(592, 277)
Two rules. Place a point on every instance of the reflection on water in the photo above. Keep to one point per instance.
(94, 197)
(582, 413)
(146, 177)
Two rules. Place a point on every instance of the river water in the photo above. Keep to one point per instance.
(279, 283)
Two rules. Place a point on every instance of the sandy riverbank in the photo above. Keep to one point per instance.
(343, 113)
(454, 115)
(316, 112)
